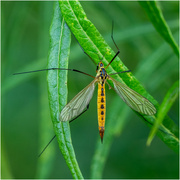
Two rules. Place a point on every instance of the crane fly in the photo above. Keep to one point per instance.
(80, 103)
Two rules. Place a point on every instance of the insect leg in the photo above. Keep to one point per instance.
(47, 146)
(86, 53)
(80, 114)
(115, 45)
(120, 72)
(153, 124)
(55, 135)
(54, 69)
(83, 49)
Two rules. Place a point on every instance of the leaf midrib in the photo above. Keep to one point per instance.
(88, 35)
(58, 85)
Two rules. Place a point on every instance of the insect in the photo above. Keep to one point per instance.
(80, 103)
(77, 105)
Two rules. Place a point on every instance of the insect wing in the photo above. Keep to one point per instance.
(78, 103)
(133, 99)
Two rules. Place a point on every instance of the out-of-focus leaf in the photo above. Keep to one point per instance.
(5, 169)
(13, 81)
(156, 17)
(60, 38)
(45, 164)
(168, 101)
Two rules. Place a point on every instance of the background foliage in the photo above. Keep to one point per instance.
(26, 124)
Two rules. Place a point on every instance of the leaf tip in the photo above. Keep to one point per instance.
(148, 143)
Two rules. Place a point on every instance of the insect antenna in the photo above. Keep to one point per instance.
(114, 44)
(55, 69)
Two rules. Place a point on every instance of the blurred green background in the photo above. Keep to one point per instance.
(25, 117)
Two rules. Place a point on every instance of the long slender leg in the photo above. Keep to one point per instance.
(55, 135)
(54, 69)
(153, 124)
(80, 114)
(85, 52)
(120, 72)
(47, 146)
(83, 49)
(115, 45)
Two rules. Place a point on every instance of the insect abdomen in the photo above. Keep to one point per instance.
(101, 103)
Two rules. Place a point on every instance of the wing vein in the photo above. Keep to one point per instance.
(78, 103)
(133, 99)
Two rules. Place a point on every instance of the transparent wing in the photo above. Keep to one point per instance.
(133, 99)
(78, 103)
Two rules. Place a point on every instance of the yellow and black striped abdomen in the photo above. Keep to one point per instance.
(101, 104)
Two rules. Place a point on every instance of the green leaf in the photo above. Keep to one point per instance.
(156, 17)
(168, 101)
(5, 169)
(57, 87)
(95, 46)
